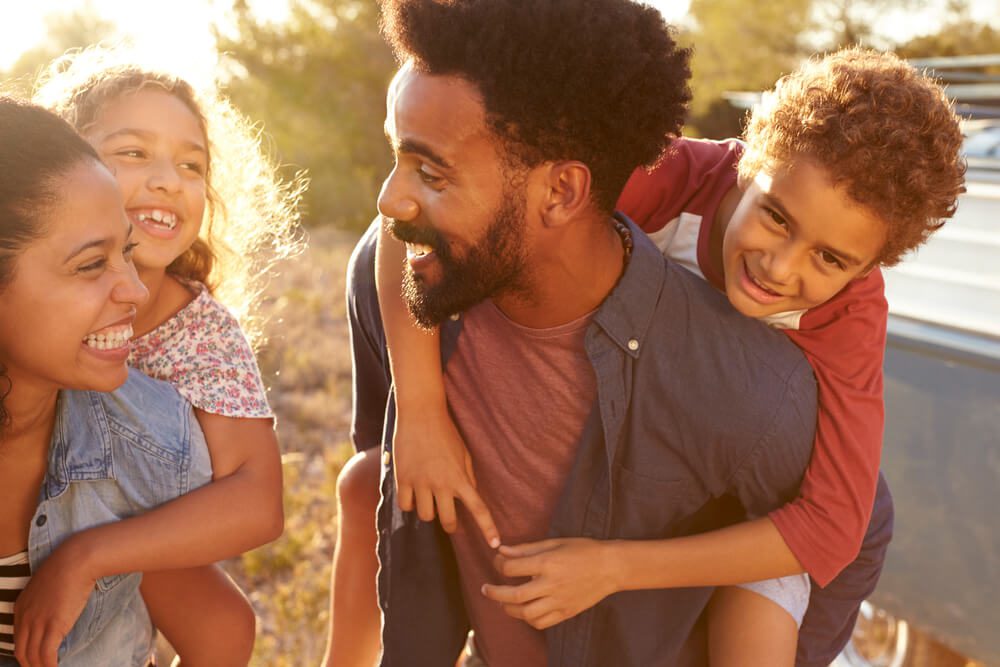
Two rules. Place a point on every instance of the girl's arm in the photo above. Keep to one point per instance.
(432, 465)
(239, 510)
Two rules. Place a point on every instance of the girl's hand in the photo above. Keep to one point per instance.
(433, 468)
(49, 605)
(568, 576)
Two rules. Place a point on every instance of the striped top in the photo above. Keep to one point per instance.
(14, 575)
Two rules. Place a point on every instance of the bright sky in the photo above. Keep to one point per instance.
(180, 28)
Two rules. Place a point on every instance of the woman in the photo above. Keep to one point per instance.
(73, 460)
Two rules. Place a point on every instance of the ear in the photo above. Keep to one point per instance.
(566, 193)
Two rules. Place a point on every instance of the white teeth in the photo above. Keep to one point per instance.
(109, 340)
(419, 249)
(161, 217)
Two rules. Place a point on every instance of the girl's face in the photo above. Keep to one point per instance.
(66, 314)
(152, 142)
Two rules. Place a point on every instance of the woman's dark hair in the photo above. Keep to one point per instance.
(37, 148)
(599, 81)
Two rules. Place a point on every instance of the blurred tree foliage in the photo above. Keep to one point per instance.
(318, 84)
(741, 48)
(77, 29)
(959, 35)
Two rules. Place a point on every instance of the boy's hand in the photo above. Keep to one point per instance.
(48, 607)
(433, 467)
(568, 576)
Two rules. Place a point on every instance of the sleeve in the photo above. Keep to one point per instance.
(770, 472)
(220, 374)
(370, 363)
(689, 167)
(844, 341)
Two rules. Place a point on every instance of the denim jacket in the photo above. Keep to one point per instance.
(701, 414)
(112, 456)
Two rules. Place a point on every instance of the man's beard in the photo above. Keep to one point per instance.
(494, 266)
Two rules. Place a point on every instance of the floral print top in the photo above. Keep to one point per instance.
(203, 353)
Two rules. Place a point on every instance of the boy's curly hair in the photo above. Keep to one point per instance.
(251, 214)
(879, 128)
(599, 81)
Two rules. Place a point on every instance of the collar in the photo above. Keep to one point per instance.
(626, 313)
(81, 441)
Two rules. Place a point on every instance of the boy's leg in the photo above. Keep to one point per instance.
(355, 623)
(203, 614)
(747, 628)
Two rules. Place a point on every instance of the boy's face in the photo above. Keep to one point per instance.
(795, 240)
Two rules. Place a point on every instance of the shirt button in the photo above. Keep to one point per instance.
(386, 457)
(454, 317)
(633, 344)
(40, 521)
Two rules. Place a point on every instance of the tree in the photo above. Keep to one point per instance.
(738, 49)
(77, 29)
(318, 83)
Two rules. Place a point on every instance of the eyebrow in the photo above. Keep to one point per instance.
(148, 136)
(416, 147)
(96, 243)
(776, 203)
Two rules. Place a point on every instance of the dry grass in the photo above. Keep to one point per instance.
(306, 364)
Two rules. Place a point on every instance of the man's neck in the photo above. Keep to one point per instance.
(573, 270)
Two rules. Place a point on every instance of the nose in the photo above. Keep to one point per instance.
(394, 200)
(781, 264)
(164, 176)
(129, 289)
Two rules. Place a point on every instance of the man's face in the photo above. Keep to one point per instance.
(449, 198)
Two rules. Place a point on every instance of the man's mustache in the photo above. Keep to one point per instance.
(410, 233)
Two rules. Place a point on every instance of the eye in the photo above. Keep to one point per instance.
(830, 259)
(194, 167)
(93, 266)
(128, 249)
(775, 218)
(428, 177)
(135, 153)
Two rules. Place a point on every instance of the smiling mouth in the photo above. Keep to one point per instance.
(111, 338)
(156, 217)
(417, 250)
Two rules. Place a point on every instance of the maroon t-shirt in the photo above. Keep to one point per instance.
(519, 397)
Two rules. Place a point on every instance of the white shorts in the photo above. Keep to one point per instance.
(790, 593)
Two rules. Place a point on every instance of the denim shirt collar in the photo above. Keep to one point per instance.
(81, 417)
(626, 313)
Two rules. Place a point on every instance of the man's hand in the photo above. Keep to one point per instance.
(568, 576)
(48, 607)
(433, 468)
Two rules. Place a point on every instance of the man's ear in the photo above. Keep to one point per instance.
(566, 192)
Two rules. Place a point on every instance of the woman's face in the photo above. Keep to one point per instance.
(66, 314)
(157, 151)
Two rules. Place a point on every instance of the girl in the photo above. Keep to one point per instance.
(852, 161)
(210, 216)
(72, 457)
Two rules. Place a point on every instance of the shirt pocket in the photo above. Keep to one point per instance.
(648, 505)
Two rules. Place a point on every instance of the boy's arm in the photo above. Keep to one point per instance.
(432, 465)
(570, 575)
(844, 342)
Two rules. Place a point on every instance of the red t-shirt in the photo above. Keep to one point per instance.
(843, 339)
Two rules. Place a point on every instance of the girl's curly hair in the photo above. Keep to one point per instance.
(252, 214)
(881, 129)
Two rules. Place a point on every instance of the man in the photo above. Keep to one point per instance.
(584, 371)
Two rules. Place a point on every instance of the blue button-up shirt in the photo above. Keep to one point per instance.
(112, 456)
(702, 415)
